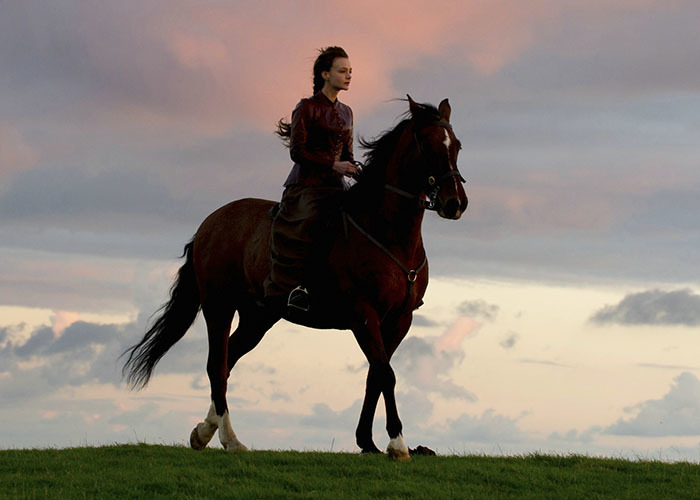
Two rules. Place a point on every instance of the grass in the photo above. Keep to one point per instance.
(148, 471)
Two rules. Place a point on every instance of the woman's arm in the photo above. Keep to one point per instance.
(347, 153)
(301, 117)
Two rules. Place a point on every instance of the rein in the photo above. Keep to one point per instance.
(411, 274)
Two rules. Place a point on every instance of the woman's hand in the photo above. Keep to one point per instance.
(345, 167)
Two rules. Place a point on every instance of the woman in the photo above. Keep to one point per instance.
(319, 138)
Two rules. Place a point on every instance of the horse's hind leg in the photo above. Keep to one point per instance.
(253, 324)
(218, 317)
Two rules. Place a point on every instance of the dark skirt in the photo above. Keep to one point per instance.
(299, 233)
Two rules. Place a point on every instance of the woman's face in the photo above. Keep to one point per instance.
(340, 74)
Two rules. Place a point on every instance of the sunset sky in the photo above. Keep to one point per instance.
(563, 312)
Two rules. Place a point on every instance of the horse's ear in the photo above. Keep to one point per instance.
(412, 106)
(445, 110)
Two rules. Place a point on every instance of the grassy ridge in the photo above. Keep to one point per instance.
(134, 471)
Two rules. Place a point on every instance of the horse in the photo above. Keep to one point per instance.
(373, 277)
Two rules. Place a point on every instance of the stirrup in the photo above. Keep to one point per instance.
(299, 299)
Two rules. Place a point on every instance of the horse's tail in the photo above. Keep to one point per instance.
(177, 315)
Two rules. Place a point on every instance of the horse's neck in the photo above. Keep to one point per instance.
(392, 218)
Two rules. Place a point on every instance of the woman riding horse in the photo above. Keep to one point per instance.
(375, 274)
(320, 144)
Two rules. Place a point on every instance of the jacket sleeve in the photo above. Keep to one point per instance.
(301, 119)
(347, 154)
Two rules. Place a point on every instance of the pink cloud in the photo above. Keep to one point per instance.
(62, 320)
(254, 62)
(221, 65)
(451, 340)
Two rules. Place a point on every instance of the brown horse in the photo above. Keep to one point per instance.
(373, 276)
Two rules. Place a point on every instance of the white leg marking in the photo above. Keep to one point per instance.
(397, 449)
(227, 436)
(447, 142)
(202, 434)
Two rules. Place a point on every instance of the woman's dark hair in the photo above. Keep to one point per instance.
(323, 62)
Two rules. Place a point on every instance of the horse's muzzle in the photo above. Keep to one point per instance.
(453, 208)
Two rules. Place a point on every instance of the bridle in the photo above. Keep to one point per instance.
(429, 204)
(433, 184)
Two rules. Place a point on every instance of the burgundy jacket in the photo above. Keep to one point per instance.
(321, 135)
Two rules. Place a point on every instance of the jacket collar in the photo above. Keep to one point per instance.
(321, 97)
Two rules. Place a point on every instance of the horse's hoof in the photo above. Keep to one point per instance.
(397, 450)
(399, 455)
(195, 442)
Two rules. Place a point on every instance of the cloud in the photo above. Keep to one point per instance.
(84, 353)
(573, 436)
(478, 309)
(425, 363)
(509, 341)
(653, 307)
(490, 428)
(70, 197)
(676, 414)
(178, 61)
(544, 362)
(451, 340)
(666, 367)
(15, 153)
(421, 320)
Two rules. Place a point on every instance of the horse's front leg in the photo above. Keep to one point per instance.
(397, 448)
(380, 379)
(363, 434)
(393, 335)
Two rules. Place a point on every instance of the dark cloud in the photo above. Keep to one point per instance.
(421, 320)
(38, 342)
(86, 353)
(676, 414)
(509, 341)
(55, 194)
(653, 307)
(74, 57)
(478, 309)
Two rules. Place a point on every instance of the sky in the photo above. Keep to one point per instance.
(563, 312)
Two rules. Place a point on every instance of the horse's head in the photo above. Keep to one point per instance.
(437, 150)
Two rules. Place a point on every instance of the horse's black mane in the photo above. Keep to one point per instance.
(380, 149)
(378, 152)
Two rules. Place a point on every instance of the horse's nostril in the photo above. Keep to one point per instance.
(452, 207)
